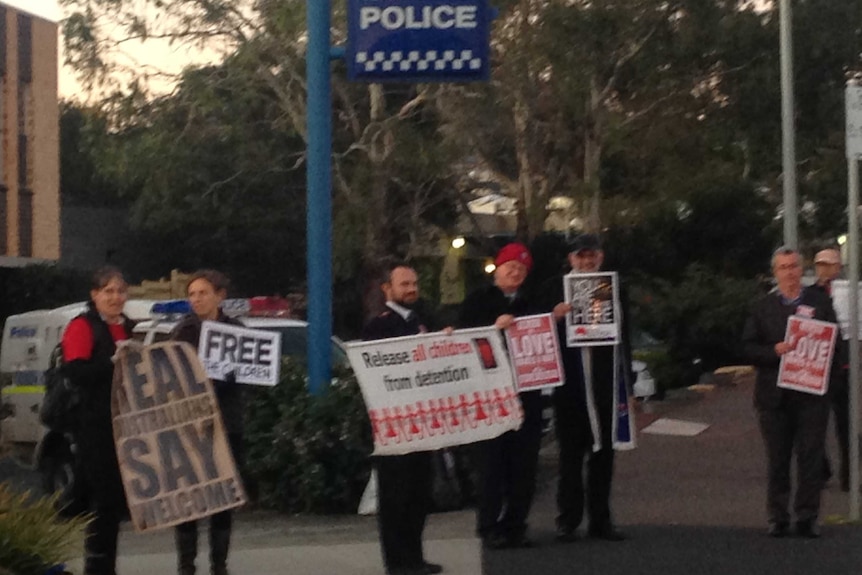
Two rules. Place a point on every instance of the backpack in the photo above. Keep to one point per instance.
(62, 401)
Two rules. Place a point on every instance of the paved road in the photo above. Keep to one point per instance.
(691, 505)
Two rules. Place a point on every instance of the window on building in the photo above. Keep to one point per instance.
(3, 36)
(25, 223)
(25, 48)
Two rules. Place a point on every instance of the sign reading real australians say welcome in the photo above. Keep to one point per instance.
(174, 457)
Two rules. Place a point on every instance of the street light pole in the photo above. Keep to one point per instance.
(788, 135)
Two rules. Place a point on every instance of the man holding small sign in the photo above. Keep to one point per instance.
(591, 409)
(792, 418)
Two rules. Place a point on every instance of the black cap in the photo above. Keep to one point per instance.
(585, 242)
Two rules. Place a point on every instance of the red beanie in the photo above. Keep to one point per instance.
(514, 251)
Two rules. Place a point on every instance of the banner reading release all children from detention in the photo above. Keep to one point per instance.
(434, 390)
(174, 457)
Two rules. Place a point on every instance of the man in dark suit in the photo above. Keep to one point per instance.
(403, 481)
(507, 464)
(572, 422)
(790, 421)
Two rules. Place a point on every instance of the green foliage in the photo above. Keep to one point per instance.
(308, 454)
(699, 318)
(32, 536)
(40, 287)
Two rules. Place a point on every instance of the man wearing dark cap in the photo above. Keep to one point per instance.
(572, 420)
(404, 481)
(506, 464)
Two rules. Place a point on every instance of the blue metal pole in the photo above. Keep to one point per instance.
(319, 186)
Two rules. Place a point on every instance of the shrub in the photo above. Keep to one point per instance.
(32, 537)
(700, 320)
(307, 454)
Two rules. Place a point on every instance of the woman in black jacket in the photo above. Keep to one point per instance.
(206, 290)
(89, 343)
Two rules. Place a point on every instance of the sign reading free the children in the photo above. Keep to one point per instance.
(253, 355)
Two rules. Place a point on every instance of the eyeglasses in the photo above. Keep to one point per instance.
(787, 267)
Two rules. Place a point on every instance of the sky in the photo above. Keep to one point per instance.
(45, 8)
(156, 55)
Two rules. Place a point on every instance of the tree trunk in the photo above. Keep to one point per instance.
(525, 181)
(593, 137)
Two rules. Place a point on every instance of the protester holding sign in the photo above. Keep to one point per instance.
(827, 266)
(89, 343)
(585, 410)
(206, 290)
(790, 421)
(506, 464)
(404, 481)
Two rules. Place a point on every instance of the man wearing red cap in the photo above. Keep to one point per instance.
(506, 464)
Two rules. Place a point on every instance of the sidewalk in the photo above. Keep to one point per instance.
(690, 505)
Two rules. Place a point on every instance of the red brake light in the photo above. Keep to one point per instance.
(269, 306)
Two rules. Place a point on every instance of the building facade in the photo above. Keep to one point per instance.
(30, 141)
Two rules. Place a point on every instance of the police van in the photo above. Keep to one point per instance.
(262, 312)
(28, 340)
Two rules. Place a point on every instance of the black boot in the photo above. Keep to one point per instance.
(219, 545)
(187, 550)
(100, 546)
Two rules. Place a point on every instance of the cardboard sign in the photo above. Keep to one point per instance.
(535, 352)
(253, 355)
(595, 317)
(841, 303)
(174, 456)
(806, 367)
(433, 390)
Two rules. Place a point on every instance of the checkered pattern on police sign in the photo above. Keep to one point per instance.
(416, 61)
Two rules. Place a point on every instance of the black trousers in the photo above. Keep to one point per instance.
(507, 474)
(797, 425)
(840, 399)
(100, 546)
(403, 501)
(575, 441)
(222, 521)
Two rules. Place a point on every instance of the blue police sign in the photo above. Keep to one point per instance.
(418, 40)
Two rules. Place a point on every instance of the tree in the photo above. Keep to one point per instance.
(388, 175)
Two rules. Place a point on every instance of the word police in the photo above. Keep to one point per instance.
(440, 17)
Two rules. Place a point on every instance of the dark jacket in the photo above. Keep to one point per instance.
(482, 308)
(229, 394)
(95, 436)
(390, 324)
(842, 348)
(765, 327)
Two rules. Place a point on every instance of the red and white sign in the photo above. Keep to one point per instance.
(806, 366)
(433, 390)
(535, 352)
